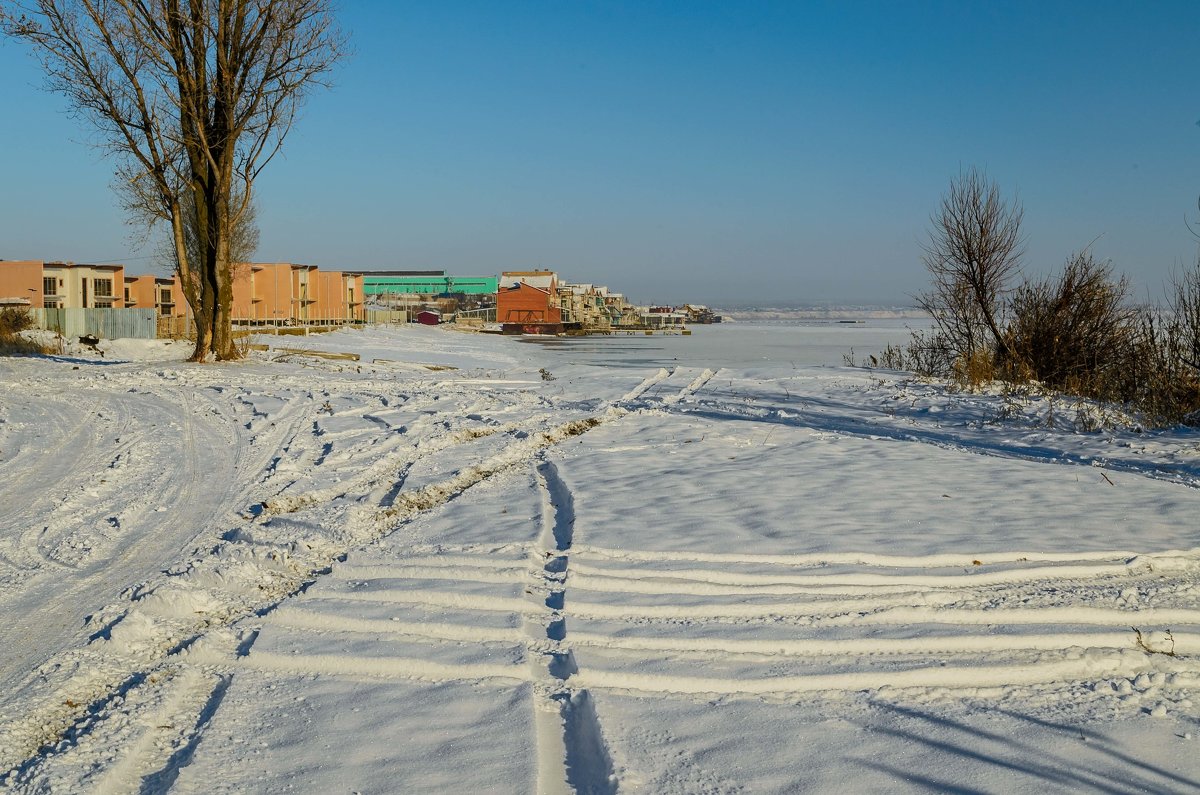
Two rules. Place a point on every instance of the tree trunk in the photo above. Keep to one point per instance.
(223, 344)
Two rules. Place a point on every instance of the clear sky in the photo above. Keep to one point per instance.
(731, 153)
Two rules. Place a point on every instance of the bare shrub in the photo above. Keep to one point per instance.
(1184, 297)
(924, 354)
(14, 320)
(1165, 381)
(973, 253)
(1075, 333)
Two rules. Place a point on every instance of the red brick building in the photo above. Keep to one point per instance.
(527, 303)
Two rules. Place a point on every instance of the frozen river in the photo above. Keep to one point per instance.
(740, 344)
(693, 568)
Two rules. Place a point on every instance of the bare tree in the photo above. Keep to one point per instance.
(193, 98)
(973, 253)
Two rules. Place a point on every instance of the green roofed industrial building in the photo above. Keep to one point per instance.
(426, 283)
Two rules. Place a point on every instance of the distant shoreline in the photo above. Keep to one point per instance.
(824, 313)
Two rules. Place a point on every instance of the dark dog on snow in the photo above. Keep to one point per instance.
(91, 341)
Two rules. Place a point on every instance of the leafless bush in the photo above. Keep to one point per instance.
(1075, 333)
(1185, 317)
(972, 255)
(1166, 387)
(14, 320)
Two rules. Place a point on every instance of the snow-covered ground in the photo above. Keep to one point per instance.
(527, 575)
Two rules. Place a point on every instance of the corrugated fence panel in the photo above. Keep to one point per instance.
(386, 316)
(104, 323)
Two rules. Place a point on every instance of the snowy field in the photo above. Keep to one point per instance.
(468, 564)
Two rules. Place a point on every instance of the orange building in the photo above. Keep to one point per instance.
(160, 293)
(284, 293)
(527, 303)
(263, 293)
(63, 285)
(21, 282)
(338, 296)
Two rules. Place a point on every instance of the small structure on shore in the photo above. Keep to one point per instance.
(429, 317)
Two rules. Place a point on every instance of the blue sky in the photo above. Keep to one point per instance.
(736, 152)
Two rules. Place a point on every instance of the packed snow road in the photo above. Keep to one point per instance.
(314, 576)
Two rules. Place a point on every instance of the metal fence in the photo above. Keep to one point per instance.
(485, 315)
(104, 323)
(386, 316)
(176, 327)
(146, 324)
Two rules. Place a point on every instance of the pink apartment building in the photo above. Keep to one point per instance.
(160, 293)
(263, 293)
(62, 285)
(282, 292)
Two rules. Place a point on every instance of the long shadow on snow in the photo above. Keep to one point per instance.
(801, 417)
(74, 360)
(1096, 740)
(978, 756)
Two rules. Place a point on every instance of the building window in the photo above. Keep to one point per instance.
(164, 296)
(102, 288)
(127, 296)
(49, 286)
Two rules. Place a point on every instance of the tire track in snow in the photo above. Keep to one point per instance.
(888, 612)
(128, 551)
(865, 558)
(1100, 664)
(983, 647)
(298, 618)
(648, 383)
(381, 476)
(695, 386)
(36, 488)
(145, 737)
(973, 579)
(150, 761)
(48, 464)
(875, 646)
(278, 573)
(393, 667)
(572, 755)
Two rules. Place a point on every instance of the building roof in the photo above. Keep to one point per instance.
(402, 273)
(518, 285)
(543, 280)
(83, 265)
